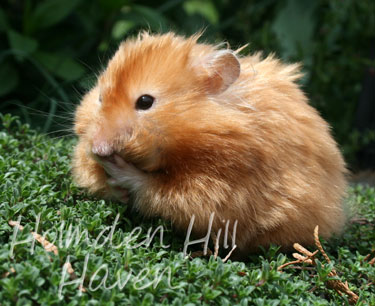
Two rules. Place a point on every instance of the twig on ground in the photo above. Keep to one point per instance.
(201, 253)
(308, 258)
(319, 245)
(304, 258)
(216, 241)
(288, 264)
(49, 247)
(361, 221)
(8, 272)
(368, 256)
(337, 285)
(230, 253)
(305, 255)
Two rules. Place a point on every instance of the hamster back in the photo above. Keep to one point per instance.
(187, 129)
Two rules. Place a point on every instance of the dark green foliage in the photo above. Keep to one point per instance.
(35, 180)
(50, 50)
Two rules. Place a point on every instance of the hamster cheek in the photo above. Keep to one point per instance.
(122, 174)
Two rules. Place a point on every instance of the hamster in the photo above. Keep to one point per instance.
(186, 128)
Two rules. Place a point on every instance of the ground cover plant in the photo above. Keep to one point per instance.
(128, 268)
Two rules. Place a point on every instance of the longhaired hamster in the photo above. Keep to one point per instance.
(186, 128)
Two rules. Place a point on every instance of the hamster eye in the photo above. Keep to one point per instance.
(144, 102)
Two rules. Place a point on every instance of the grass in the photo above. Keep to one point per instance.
(35, 181)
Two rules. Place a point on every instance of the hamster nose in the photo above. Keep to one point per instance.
(102, 148)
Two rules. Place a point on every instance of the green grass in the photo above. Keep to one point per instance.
(35, 181)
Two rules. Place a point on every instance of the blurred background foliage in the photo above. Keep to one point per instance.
(51, 51)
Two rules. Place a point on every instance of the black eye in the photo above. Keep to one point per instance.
(144, 102)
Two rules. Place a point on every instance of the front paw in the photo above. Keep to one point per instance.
(119, 193)
(121, 174)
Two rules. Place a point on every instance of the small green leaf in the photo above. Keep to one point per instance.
(60, 65)
(144, 16)
(121, 28)
(204, 8)
(8, 77)
(296, 33)
(50, 12)
(148, 299)
(22, 43)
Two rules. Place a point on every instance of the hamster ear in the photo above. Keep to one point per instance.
(223, 70)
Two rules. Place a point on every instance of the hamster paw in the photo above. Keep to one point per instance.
(122, 175)
(119, 193)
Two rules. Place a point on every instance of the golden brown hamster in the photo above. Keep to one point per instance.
(190, 129)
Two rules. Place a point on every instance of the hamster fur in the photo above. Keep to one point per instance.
(226, 134)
